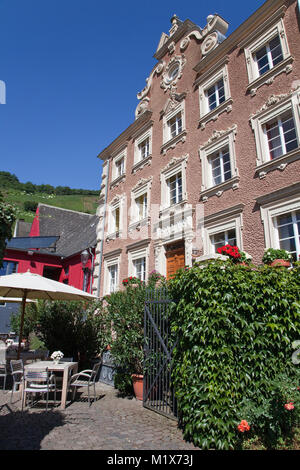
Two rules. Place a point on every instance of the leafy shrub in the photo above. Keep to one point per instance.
(271, 254)
(30, 206)
(78, 329)
(274, 417)
(235, 327)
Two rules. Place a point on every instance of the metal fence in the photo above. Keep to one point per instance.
(158, 394)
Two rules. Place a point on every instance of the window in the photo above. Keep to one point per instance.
(174, 130)
(8, 267)
(140, 268)
(120, 167)
(223, 228)
(173, 183)
(281, 135)
(175, 125)
(116, 220)
(280, 214)
(215, 95)
(218, 161)
(223, 238)
(220, 166)
(276, 129)
(111, 272)
(268, 56)
(142, 149)
(141, 204)
(288, 232)
(267, 52)
(175, 189)
(214, 92)
(113, 277)
(138, 256)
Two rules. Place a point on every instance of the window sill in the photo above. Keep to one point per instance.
(117, 181)
(173, 209)
(279, 163)
(268, 77)
(138, 224)
(218, 190)
(214, 114)
(142, 163)
(113, 236)
(181, 137)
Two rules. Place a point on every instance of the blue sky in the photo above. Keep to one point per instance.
(72, 69)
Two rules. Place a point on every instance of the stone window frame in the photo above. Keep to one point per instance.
(116, 203)
(115, 178)
(111, 259)
(219, 140)
(137, 159)
(208, 79)
(223, 221)
(273, 209)
(272, 27)
(142, 187)
(169, 141)
(274, 107)
(135, 254)
(175, 166)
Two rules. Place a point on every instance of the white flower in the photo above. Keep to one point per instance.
(57, 355)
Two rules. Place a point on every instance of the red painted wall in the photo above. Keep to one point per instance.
(71, 269)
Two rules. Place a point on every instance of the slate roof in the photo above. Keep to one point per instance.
(77, 230)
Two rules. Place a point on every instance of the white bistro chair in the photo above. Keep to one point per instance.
(85, 378)
(36, 382)
(17, 372)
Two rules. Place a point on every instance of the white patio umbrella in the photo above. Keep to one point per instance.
(29, 286)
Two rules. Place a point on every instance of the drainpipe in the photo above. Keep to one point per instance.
(103, 227)
(92, 268)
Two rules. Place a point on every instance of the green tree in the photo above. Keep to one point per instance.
(7, 219)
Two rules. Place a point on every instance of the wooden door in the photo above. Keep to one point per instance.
(175, 260)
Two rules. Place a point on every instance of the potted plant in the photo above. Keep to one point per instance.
(125, 311)
(235, 254)
(277, 257)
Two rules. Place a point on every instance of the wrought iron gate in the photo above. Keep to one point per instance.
(158, 394)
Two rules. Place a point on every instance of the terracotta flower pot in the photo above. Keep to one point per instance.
(280, 262)
(137, 381)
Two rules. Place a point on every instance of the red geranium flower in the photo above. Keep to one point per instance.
(289, 406)
(243, 426)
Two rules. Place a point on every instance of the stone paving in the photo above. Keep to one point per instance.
(110, 423)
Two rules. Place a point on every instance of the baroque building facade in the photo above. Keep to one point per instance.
(212, 156)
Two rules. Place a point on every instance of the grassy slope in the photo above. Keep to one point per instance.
(74, 202)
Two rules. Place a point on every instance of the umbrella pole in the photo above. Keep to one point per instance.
(22, 322)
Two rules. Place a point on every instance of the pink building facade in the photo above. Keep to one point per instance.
(212, 156)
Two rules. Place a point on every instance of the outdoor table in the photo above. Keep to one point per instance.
(65, 367)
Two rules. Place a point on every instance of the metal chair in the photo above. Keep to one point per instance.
(3, 365)
(39, 382)
(17, 372)
(85, 378)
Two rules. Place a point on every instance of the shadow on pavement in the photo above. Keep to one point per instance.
(25, 430)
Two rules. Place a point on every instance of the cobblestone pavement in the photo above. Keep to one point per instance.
(110, 423)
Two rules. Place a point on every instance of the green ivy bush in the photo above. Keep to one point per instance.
(235, 327)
